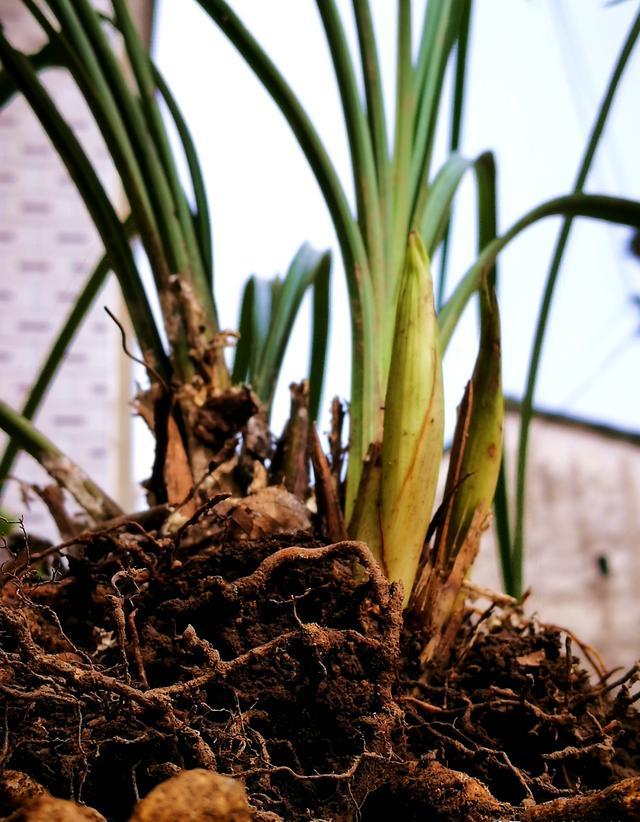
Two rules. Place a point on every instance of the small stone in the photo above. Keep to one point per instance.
(195, 796)
(48, 809)
(16, 789)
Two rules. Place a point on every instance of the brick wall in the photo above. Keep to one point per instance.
(582, 533)
(48, 248)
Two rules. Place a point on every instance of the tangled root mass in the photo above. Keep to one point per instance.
(284, 663)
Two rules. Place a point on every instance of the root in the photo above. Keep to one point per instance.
(271, 662)
(617, 803)
(441, 793)
(238, 683)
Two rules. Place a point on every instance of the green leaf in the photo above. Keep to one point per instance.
(240, 371)
(360, 144)
(268, 312)
(59, 466)
(366, 388)
(346, 228)
(320, 335)
(444, 21)
(437, 205)
(526, 411)
(487, 232)
(373, 92)
(259, 301)
(307, 267)
(462, 48)
(402, 147)
(96, 200)
(119, 121)
(202, 216)
(45, 58)
(174, 196)
(595, 206)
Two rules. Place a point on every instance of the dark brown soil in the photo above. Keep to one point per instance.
(285, 663)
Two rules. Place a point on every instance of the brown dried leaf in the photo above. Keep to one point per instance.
(271, 511)
(326, 496)
(531, 660)
(177, 472)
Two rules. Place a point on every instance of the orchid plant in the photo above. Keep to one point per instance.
(404, 206)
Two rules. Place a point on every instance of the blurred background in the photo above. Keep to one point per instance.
(537, 71)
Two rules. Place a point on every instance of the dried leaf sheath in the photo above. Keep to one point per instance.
(471, 481)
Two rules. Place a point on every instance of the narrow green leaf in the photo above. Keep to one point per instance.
(264, 309)
(446, 21)
(502, 527)
(485, 168)
(437, 205)
(59, 466)
(132, 114)
(143, 70)
(29, 438)
(320, 335)
(259, 302)
(306, 268)
(526, 411)
(240, 370)
(462, 48)
(487, 232)
(202, 212)
(45, 58)
(462, 51)
(402, 146)
(595, 206)
(347, 230)
(360, 144)
(373, 92)
(96, 201)
(366, 385)
(76, 53)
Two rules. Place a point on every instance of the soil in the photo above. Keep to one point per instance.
(285, 663)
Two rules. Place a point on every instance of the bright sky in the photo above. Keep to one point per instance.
(538, 69)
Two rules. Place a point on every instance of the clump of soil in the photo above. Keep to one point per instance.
(282, 662)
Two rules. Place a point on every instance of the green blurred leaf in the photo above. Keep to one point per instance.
(268, 312)
(526, 410)
(96, 200)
